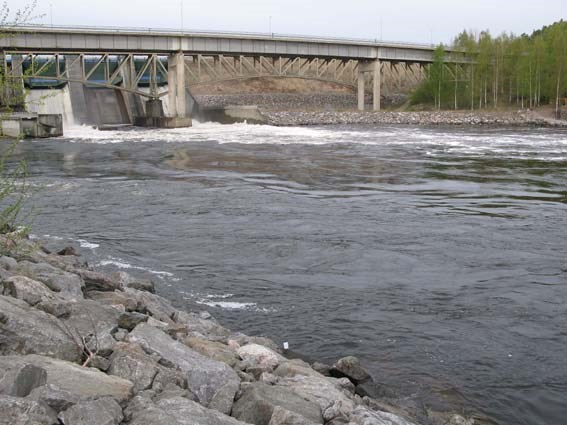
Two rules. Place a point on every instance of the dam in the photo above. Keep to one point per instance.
(124, 76)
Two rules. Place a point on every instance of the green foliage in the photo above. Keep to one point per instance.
(14, 188)
(527, 71)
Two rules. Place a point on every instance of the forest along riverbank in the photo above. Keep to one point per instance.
(451, 118)
(82, 347)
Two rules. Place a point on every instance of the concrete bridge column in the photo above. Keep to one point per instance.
(377, 85)
(361, 86)
(74, 67)
(176, 85)
(373, 67)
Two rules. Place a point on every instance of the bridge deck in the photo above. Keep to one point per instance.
(125, 40)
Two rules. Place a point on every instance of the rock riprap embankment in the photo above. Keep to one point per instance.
(78, 347)
(449, 118)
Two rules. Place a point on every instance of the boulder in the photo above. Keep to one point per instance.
(129, 321)
(179, 411)
(26, 289)
(86, 383)
(201, 328)
(364, 416)
(54, 397)
(349, 367)
(25, 330)
(95, 323)
(115, 298)
(104, 411)
(242, 339)
(67, 285)
(323, 391)
(322, 368)
(257, 403)
(56, 307)
(21, 380)
(167, 376)
(214, 383)
(291, 368)
(152, 304)
(260, 355)
(129, 281)
(214, 350)
(130, 362)
(19, 411)
(95, 281)
(285, 417)
(8, 263)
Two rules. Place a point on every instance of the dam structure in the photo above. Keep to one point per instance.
(144, 76)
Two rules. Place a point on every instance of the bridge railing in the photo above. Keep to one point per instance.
(232, 34)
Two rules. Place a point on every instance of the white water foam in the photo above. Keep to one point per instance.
(219, 301)
(544, 145)
(121, 264)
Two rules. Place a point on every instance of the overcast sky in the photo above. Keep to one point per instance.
(395, 20)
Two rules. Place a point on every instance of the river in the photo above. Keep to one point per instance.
(436, 255)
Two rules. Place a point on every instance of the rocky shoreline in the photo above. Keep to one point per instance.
(441, 118)
(79, 347)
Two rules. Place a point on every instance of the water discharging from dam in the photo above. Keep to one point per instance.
(435, 255)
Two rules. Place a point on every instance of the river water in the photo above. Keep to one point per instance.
(438, 256)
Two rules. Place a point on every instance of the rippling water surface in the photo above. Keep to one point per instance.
(438, 256)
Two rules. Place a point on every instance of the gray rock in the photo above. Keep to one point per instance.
(95, 323)
(26, 289)
(8, 263)
(167, 376)
(173, 391)
(129, 281)
(322, 368)
(120, 335)
(258, 401)
(95, 281)
(214, 383)
(323, 391)
(54, 397)
(289, 369)
(129, 302)
(179, 411)
(25, 330)
(214, 350)
(86, 383)
(201, 328)
(129, 321)
(21, 380)
(130, 362)
(57, 308)
(19, 411)
(67, 285)
(152, 304)
(242, 339)
(100, 363)
(260, 355)
(257, 371)
(365, 416)
(104, 411)
(285, 417)
(349, 367)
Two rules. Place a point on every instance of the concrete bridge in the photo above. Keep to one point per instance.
(126, 56)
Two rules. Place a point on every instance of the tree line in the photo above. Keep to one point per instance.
(479, 71)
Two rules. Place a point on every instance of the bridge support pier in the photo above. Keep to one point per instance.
(375, 68)
(74, 68)
(176, 85)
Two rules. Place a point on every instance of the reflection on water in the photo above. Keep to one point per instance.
(436, 255)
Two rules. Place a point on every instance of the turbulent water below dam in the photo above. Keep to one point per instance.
(436, 255)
